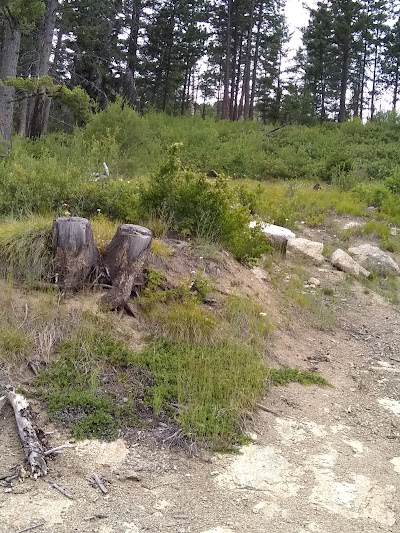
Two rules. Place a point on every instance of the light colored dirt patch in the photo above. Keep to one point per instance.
(294, 431)
(359, 498)
(108, 454)
(396, 464)
(390, 405)
(357, 446)
(219, 530)
(34, 506)
(262, 468)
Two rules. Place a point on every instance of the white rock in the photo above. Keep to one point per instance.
(314, 281)
(373, 258)
(307, 249)
(343, 261)
(277, 234)
(352, 224)
(219, 530)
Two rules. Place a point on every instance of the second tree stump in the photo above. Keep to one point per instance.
(124, 260)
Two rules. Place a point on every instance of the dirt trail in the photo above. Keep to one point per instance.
(329, 461)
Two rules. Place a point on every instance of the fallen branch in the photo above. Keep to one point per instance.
(263, 408)
(96, 480)
(2, 402)
(61, 489)
(33, 448)
(58, 449)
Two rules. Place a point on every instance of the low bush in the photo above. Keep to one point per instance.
(195, 206)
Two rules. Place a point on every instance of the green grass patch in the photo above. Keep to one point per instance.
(86, 388)
(248, 322)
(285, 375)
(388, 286)
(202, 386)
(211, 384)
(15, 344)
(316, 307)
(25, 249)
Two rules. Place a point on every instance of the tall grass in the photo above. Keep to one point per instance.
(25, 249)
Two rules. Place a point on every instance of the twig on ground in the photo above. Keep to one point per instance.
(58, 449)
(263, 408)
(29, 528)
(96, 480)
(2, 402)
(25, 317)
(95, 517)
(61, 489)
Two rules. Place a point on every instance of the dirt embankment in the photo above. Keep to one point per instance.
(327, 460)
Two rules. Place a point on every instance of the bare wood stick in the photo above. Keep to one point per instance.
(61, 489)
(25, 317)
(96, 479)
(263, 408)
(98, 516)
(10, 474)
(2, 402)
(33, 448)
(29, 528)
(58, 449)
(34, 367)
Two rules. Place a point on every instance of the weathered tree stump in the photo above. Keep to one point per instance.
(33, 448)
(74, 252)
(124, 260)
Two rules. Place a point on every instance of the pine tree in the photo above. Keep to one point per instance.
(16, 16)
(391, 61)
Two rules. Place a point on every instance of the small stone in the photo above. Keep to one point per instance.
(314, 281)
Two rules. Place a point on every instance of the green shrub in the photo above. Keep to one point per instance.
(373, 194)
(197, 207)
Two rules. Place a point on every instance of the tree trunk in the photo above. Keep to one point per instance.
(41, 106)
(255, 61)
(124, 259)
(33, 448)
(246, 76)
(374, 76)
(396, 86)
(74, 252)
(23, 114)
(343, 83)
(9, 52)
(235, 106)
(130, 91)
(227, 72)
